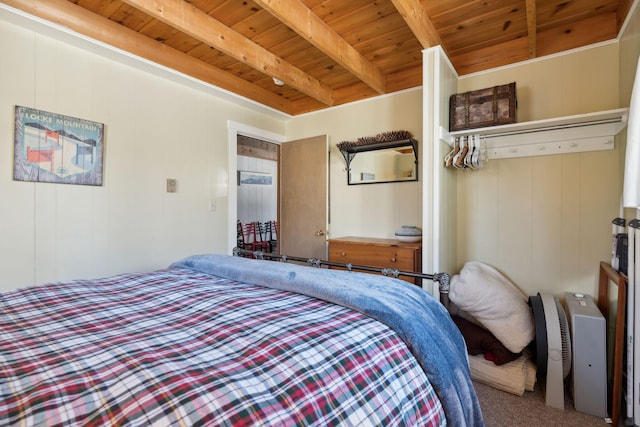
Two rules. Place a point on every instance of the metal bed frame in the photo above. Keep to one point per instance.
(443, 279)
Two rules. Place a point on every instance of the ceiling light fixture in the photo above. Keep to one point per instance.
(278, 82)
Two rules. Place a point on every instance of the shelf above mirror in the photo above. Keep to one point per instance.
(381, 162)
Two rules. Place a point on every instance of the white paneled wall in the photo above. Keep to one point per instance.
(545, 221)
(155, 129)
(258, 202)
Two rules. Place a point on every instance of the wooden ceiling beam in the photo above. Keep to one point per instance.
(199, 25)
(532, 27)
(297, 16)
(415, 15)
(96, 27)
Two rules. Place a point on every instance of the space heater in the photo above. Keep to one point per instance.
(589, 362)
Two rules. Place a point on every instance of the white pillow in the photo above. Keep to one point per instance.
(495, 303)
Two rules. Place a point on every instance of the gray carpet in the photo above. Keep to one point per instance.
(504, 409)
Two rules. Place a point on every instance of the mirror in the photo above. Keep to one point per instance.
(382, 162)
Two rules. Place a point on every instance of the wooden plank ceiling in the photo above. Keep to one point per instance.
(329, 52)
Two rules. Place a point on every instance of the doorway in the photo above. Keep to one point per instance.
(258, 193)
(235, 130)
(303, 181)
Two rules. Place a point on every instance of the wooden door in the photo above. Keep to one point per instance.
(303, 197)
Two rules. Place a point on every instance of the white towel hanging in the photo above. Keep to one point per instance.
(631, 192)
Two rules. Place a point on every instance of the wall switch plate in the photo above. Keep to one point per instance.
(172, 185)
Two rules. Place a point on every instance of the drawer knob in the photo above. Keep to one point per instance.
(343, 254)
(394, 259)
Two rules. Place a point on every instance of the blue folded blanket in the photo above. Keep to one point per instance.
(418, 318)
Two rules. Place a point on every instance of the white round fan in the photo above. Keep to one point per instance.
(553, 346)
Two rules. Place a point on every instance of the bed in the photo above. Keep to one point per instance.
(221, 340)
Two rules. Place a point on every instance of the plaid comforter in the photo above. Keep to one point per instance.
(179, 347)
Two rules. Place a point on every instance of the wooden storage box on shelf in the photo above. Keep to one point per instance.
(380, 253)
(484, 107)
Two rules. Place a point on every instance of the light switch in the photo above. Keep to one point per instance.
(172, 185)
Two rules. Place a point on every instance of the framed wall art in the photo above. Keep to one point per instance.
(51, 147)
(254, 178)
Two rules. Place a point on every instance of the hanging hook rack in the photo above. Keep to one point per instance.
(570, 134)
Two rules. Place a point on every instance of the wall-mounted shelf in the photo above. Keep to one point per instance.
(349, 153)
(571, 134)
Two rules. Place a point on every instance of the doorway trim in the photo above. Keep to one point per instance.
(236, 129)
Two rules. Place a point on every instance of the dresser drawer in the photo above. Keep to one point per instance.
(375, 256)
(379, 253)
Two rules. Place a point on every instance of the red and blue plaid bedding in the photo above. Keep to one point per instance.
(178, 347)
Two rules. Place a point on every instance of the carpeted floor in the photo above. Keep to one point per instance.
(504, 409)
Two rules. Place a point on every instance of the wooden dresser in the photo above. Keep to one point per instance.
(381, 253)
